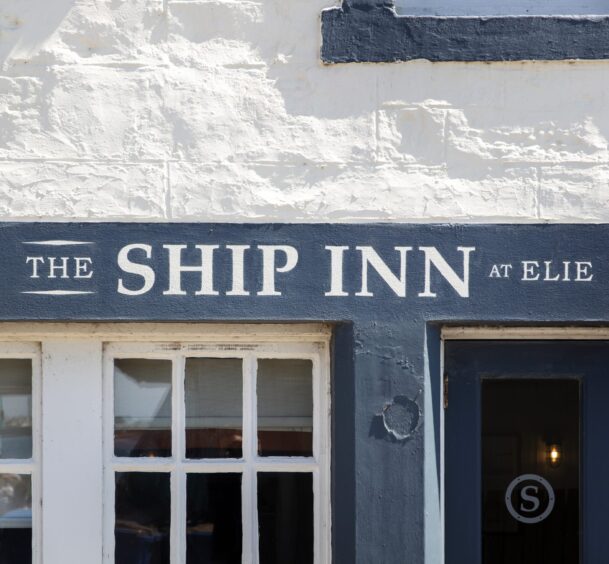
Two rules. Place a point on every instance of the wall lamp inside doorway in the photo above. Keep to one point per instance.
(554, 454)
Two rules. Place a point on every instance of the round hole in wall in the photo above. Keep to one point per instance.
(401, 417)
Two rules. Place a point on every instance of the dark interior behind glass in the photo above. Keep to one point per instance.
(530, 427)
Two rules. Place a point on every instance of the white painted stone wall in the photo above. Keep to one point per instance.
(220, 110)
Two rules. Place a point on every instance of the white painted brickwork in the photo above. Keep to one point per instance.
(220, 110)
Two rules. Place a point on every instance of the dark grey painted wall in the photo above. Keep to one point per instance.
(371, 31)
(385, 347)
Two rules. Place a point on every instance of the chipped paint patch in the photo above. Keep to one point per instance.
(401, 417)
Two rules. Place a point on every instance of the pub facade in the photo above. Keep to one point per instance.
(287, 284)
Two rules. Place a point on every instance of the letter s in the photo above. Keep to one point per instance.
(126, 265)
(527, 497)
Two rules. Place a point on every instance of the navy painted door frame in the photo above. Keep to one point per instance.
(386, 350)
(466, 363)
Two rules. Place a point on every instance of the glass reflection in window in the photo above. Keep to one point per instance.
(285, 407)
(143, 517)
(285, 517)
(15, 408)
(214, 407)
(142, 407)
(15, 519)
(213, 518)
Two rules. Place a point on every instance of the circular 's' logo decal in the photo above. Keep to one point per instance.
(529, 498)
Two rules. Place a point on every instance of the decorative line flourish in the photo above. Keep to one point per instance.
(57, 242)
(57, 292)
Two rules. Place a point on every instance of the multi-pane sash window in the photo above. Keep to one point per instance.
(19, 453)
(217, 453)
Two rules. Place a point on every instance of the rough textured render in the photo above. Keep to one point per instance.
(221, 110)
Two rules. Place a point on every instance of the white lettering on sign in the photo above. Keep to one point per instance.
(362, 271)
(269, 254)
(130, 267)
(500, 271)
(238, 256)
(336, 271)
(206, 270)
(396, 283)
(461, 285)
(60, 267)
(83, 267)
(530, 270)
(556, 271)
(583, 272)
(35, 261)
(281, 259)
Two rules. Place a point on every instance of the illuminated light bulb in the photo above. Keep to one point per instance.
(554, 455)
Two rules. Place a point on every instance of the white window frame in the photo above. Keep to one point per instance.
(284, 345)
(31, 466)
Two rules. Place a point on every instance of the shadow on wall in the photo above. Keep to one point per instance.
(281, 40)
(27, 24)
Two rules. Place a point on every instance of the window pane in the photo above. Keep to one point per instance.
(213, 519)
(142, 407)
(142, 525)
(285, 407)
(530, 471)
(15, 408)
(285, 517)
(214, 407)
(15, 519)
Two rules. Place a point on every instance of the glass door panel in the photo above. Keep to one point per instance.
(525, 456)
(530, 471)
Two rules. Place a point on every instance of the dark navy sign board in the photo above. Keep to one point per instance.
(74, 271)
(388, 288)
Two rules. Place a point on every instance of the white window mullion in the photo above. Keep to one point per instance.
(321, 425)
(287, 465)
(143, 464)
(178, 476)
(218, 466)
(108, 446)
(36, 457)
(253, 514)
(322, 492)
(72, 472)
(249, 408)
(247, 486)
(178, 516)
(250, 447)
(317, 520)
(17, 467)
(109, 520)
(317, 407)
(253, 500)
(178, 424)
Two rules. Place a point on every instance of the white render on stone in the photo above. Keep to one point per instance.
(220, 110)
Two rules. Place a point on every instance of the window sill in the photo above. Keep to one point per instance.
(366, 32)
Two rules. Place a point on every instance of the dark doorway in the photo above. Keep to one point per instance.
(525, 467)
